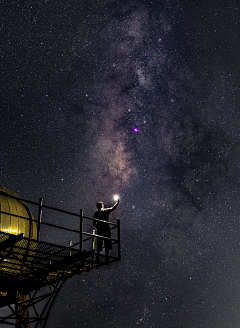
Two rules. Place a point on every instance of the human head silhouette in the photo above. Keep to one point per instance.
(99, 205)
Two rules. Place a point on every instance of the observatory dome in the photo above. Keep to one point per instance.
(15, 219)
(12, 224)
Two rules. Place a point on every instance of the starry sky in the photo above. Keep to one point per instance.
(137, 98)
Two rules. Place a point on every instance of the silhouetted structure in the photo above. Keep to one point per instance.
(32, 272)
(103, 228)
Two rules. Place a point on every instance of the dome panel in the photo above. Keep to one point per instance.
(5, 219)
(14, 225)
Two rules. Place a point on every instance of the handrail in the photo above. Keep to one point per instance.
(84, 217)
(95, 235)
(59, 227)
(93, 219)
(39, 222)
(59, 210)
(18, 216)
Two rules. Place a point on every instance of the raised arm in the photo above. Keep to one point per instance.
(110, 209)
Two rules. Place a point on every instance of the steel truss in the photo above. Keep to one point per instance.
(37, 280)
(32, 272)
(25, 313)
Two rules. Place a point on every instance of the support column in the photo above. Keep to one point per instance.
(21, 308)
(39, 218)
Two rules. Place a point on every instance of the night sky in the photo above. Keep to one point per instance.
(141, 99)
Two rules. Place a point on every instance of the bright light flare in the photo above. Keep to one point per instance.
(116, 197)
(135, 129)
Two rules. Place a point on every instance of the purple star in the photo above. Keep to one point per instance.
(135, 129)
(145, 54)
(159, 39)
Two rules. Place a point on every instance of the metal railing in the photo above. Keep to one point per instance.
(81, 219)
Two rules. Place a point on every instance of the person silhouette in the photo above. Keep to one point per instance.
(103, 228)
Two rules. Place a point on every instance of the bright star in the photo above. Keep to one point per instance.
(135, 129)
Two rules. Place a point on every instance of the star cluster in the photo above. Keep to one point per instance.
(139, 99)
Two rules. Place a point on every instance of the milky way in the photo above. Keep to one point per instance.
(136, 98)
(175, 158)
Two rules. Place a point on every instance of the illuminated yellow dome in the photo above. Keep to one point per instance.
(12, 224)
(17, 254)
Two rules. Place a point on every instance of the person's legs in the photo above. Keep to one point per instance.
(99, 247)
(108, 246)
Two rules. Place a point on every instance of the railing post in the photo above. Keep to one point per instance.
(81, 230)
(119, 244)
(93, 240)
(39, 218)
(50, 258)
(93, 244)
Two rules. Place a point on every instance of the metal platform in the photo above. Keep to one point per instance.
(28, 267)
(43, 263)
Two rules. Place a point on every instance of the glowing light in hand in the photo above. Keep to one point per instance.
(116, 197)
